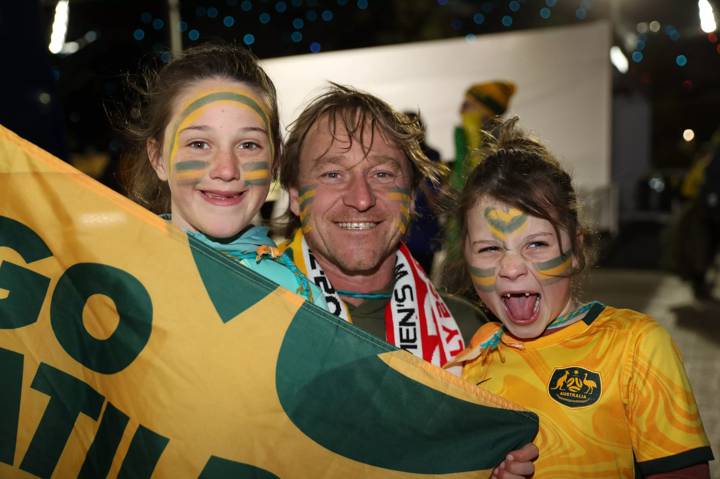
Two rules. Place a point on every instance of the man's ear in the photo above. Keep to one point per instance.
(294, 201)
(154, 154)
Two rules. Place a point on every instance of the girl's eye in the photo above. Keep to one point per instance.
(249, 145)
(537, 244)
(488, 249)
(198, 145)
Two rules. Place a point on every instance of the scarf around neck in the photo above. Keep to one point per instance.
(416, 318)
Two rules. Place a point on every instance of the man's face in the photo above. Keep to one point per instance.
(354, 205)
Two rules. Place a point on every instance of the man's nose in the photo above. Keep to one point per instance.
(225, 166)
(359, 194)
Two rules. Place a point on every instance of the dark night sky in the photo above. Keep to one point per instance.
(126, 32)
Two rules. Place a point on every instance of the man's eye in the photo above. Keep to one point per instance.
(332, 175)
(385, 174)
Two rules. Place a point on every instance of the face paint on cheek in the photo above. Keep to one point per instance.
(256, 173)
(190, 172)
(402, 197)
(305, 199)
(504, 221)
(556, 268)
(483, 278)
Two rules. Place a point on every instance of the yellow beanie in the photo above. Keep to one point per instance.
(494, 94)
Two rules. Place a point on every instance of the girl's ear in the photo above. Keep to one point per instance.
(154, 154)
(579, 240)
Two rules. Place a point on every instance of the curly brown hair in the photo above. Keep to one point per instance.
(156, 92)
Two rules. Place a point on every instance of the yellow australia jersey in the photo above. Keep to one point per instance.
(611, 393)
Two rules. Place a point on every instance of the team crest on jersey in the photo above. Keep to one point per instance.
(575, 386)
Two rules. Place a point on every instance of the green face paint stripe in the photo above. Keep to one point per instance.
(256, 165)
(405, 191)
(553, 263)
(191, 165)
(219, 96)
(504, 226)
(305, 189)
(258, 182)
(482, 272)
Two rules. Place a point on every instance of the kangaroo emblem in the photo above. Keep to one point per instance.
(575, 386)
(561, 381)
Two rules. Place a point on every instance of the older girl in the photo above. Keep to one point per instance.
(206, 140)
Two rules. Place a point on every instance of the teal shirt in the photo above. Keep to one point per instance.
(279, 270)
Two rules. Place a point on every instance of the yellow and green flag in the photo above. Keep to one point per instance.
(128, 350)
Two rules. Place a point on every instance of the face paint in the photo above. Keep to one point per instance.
(517, 266)
(190, 171)
(216, 157)
(194, 109)
(504, 221)
(305, 199)
(556, 268)
(402, 197)
(483, 278)
(256, 173)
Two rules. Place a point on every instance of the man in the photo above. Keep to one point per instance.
(351, 166)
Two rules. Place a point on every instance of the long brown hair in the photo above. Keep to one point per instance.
(156, 93)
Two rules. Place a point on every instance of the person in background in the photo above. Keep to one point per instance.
(424, 237)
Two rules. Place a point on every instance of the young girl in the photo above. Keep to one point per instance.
(206, 139)
(608, 384)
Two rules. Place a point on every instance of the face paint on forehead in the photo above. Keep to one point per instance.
(256, 173)
(306, 195)
(504, 221)
(483, 278)
(190, 171)
(401, 196)
(555, 269)
(193, 108)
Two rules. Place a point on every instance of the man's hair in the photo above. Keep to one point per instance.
(357, 112)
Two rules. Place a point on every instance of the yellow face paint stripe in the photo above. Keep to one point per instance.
(306, 195)
(504, 222)
(556, 267)
(402, 196)
(483, 278)
(256, 173)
